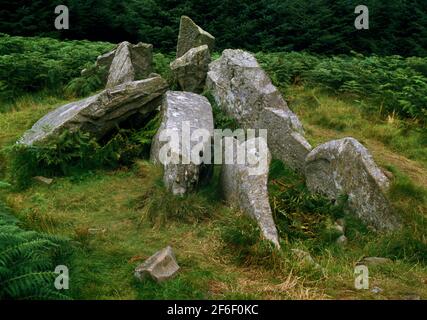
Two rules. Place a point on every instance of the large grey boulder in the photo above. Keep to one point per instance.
(184, 114)
(160, 267)
(100, 113)
(245, 92)
(244, 184)
(192, 36)
(190, 69)
(345, 167)
(285, 137)
(121, 69)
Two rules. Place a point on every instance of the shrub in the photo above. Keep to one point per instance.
(73, 153)
(27, 261)
(33, 64)
(398, 84)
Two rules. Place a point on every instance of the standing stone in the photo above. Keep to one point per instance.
(190, 70)
(101, 113)
(121, 70)
(345, 167)
(142, 59)
(192, 36)
(247, 189)
(160, 267)
(285, 137)
(183, 114)
(139, 56)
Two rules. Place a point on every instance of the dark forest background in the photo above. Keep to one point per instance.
(322, 26)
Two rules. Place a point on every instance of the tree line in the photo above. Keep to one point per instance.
(397, 27)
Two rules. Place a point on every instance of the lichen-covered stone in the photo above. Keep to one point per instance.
(245, 92)
(285, 137)
(248, 191)
(190, 69)
(345, 167)
(101, 113)
(183, 111)
(242, 88)
(160, 267)
(192, 36)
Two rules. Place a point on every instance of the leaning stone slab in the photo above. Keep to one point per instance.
(192, 36)
(242, 88)
(101, 113)
(160, 267)
(190, 69)
(245, 92)
(245, 185)
(184, 113)
(345, 167)
(285, 137)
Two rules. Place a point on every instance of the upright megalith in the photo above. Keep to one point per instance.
(345, 167)
(245, 92)
(142, 59)
(183, 142)
(134, 62)
(190, 69)
(101, 113)
(121, 69)
(192, 36)
(244, 182)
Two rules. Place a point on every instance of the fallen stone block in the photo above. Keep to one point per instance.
(101, 113)
(160, 267)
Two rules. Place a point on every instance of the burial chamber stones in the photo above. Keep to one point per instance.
(185, 115)
(100, 113)
(245, 92)
(345, 167)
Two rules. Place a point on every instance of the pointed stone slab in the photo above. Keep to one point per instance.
(192, 36)
(100, 113)
(121, 69)
(247, 190)
(345, 167)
